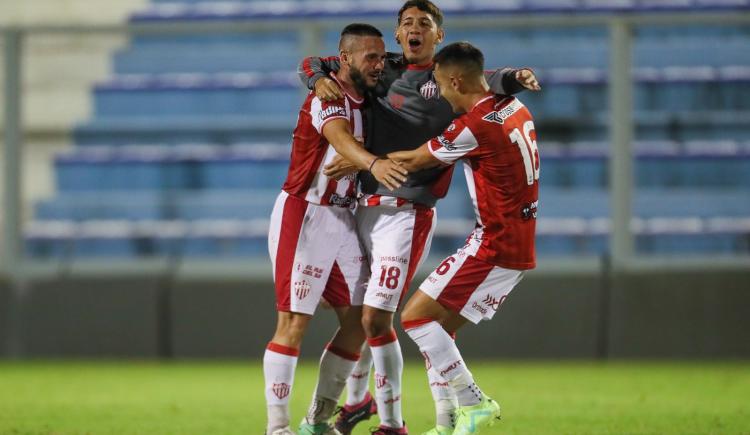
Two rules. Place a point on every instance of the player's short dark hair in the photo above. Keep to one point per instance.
(463, 55)
(359, 29)
(424, 6)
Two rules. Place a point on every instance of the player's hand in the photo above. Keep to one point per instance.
(327, 90)
(389, 173)
(339, 168)
(527, 79)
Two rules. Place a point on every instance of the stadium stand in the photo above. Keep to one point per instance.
(189, 139)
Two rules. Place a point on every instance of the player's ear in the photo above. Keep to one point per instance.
(398, 41)
(440, 35)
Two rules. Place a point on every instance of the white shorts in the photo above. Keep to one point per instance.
(397, 240)
(315, 253)
(469, 286)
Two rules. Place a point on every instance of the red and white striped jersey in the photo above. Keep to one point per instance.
(311, 152)
(497, 143)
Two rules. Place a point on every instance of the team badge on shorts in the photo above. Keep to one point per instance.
(428, 90)
(281, 390)
(301, 289)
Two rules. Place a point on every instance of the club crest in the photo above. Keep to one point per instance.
(301, 289)
(428, 90)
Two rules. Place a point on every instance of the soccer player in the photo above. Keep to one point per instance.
(496, 140)
(396, 227)
(312, 239)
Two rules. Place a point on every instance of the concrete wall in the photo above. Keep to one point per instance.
(689, 314)
(58, 72)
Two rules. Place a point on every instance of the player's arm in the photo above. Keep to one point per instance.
(510, 81)
(456, 142)
(415, 160)
(339, 135)
(314, 73)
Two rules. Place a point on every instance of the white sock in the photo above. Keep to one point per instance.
(444, 397)
(335, 367)
(279, 363)
(389, 367)
(445, 358)
(358, 382)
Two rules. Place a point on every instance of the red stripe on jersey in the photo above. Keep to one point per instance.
(342, 353)
(284, 350)
(400, 202)
(388, 338)
(291, 226)
(422, 227)
(306, 67)
(440, 186)
(337, 290)
(373, 200)
(330, 189)
(459, 289)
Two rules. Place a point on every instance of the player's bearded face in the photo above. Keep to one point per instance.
(367, 64)
(418, 35)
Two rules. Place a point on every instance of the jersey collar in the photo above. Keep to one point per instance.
(412, 67)
(490, 95)
(352, 97)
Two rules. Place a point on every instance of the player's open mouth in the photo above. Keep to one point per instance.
(414, 43)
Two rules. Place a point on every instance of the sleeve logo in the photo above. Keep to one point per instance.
(331, 111)
(450, 146)
(499, 116)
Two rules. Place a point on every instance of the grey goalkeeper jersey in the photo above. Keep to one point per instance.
(403, 112)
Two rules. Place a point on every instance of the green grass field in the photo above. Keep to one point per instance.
(227, 398)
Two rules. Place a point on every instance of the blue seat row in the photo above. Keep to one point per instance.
(150, 206)
(257, 203)
(164, 168)
(215, 96)
(281, 51)
(237, 238)
(200, 10)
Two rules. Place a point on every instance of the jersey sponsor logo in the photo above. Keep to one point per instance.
(428, 90)
(499, 116)
(331, 111)
(281, 390)
(528, 211)
(301, 289)
(450, 146)
(341, 201)
(380, 380)
(396, 100)
(451, 127)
